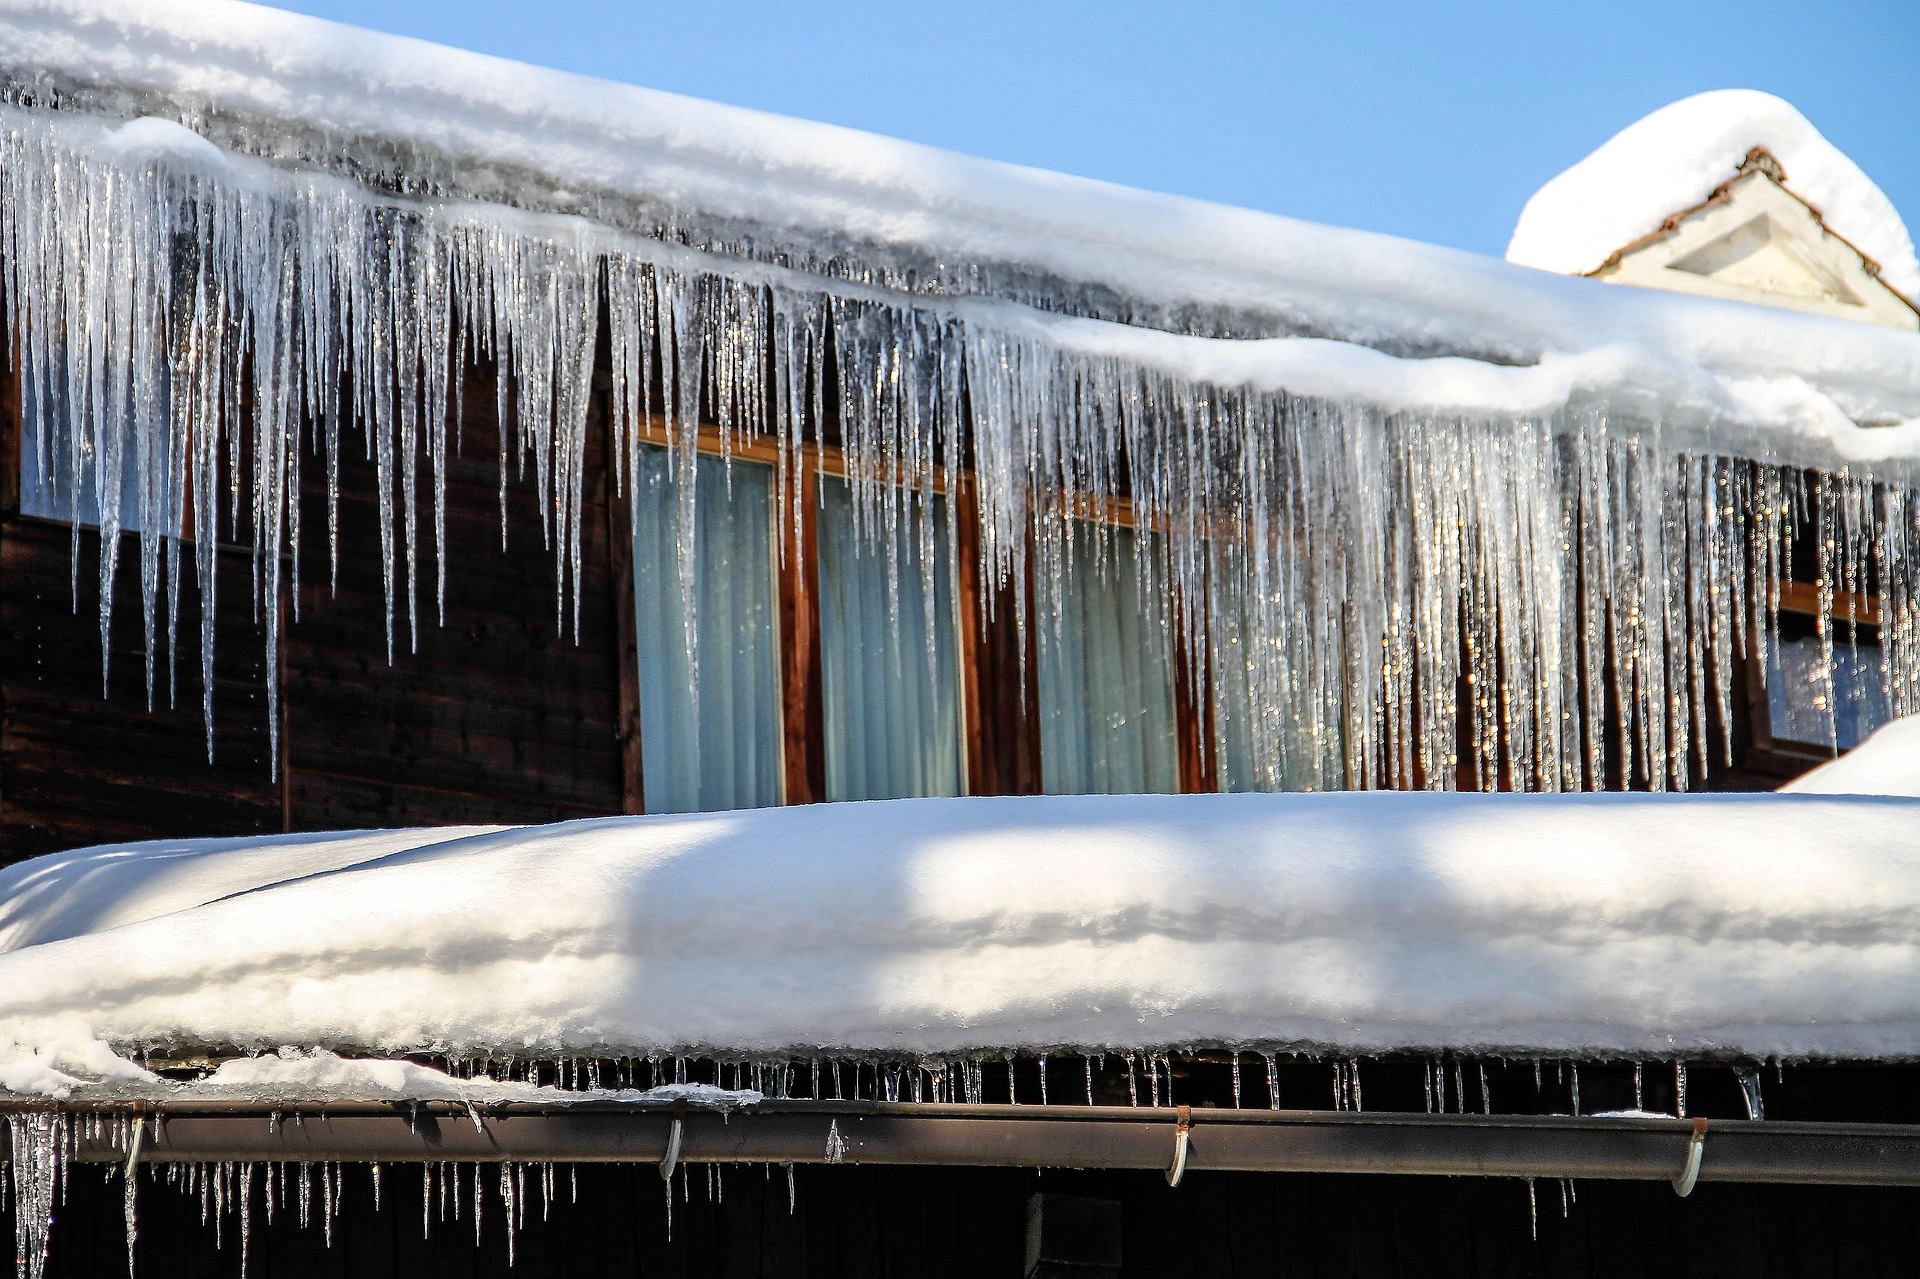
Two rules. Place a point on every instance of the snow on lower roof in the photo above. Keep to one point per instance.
(1674, 158)
(1741, 926)
(1887, 763)
(425, 117)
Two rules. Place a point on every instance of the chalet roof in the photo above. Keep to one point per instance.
(421, 118)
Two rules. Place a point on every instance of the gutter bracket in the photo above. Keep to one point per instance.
(672, 1158)
(1182, 1132)
(135, 1140)
(1696, 1148)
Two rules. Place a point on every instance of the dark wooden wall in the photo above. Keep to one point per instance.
(968, 1223)
(501, 715)
(77, 767)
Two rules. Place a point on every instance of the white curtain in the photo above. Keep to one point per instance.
(709, 737)
(1106, 676)
(48, 485)
(889, 671)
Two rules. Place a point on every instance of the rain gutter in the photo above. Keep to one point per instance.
(853, 1132)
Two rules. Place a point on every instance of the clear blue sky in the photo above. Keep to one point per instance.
(1423, 118)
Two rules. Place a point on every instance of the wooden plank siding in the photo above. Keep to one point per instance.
(77, 767)
(502, 714)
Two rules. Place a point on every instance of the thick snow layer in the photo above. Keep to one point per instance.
(88, 1068)
(1887, 763)
(1673, 159)
(300, 88)
(1746, 926)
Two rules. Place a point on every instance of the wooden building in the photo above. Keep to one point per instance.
(456, 454)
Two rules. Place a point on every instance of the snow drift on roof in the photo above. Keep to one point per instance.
(1887, 763)
(1673, 159)
(1743, 926)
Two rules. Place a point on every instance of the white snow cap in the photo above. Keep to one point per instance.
(1646, 925)
(1887, 763)
(1674, 158)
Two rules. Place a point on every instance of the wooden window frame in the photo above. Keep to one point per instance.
(997, 660)
(1786, 757)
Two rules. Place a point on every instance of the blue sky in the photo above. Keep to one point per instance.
(1421, 118)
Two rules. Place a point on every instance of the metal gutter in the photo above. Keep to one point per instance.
(1652, 1149)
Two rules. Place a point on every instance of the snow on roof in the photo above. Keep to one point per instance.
(1740, 926)
(1887, 763)
(424, 117)
(1674, 158)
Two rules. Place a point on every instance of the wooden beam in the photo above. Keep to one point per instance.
(1000, 686)
(626, 625)
(1192, 715)
(1804, 597)
(803, 708)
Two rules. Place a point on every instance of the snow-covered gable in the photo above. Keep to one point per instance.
(1753, 240)
(1660, 173)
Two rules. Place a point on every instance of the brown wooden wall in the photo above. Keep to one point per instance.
(502, 715)
(969, 1223)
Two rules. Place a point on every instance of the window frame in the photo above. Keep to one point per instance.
(1786, 757)
(997, 664)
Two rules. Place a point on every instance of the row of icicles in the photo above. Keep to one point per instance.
(44, 1144)
(199, 346)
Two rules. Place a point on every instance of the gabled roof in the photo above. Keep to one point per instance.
(1755, 240)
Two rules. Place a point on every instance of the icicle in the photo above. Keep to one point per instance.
(130, 1206)
(190, 335)
(244, 1195)
(1680, 1088)
(1750, 1091)
(1486, 1093)
(509, 1198)
(38, 1148)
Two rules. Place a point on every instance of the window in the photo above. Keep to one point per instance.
(1107, 718)
(889, 668)
(1802, 707)
(710, 731)
(47, 487)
